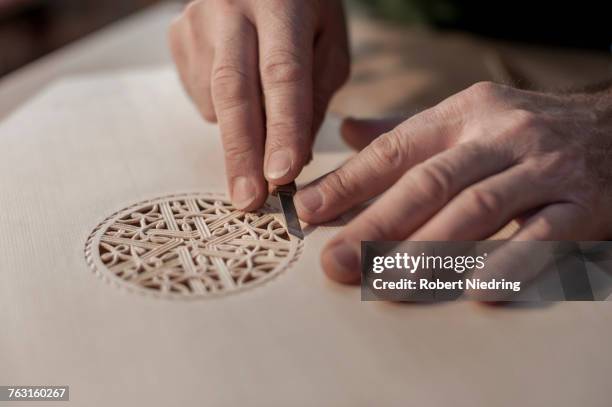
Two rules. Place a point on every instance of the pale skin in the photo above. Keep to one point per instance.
(265, 71)
(460, 170)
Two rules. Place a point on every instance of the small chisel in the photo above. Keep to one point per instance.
(285, 195)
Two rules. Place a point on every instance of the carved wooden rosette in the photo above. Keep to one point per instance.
(190, 246)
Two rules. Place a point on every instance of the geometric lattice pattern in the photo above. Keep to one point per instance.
(191, 245)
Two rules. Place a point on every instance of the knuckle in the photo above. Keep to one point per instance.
(484, 88)
(283, 67)
(306, 10)
(229, 86)
(566, 169)
(228, 73)
(337, 185)
(484, 201)
(483, 91)
(280, 128)
(377, 228)
(435, 181)
(524, 120)
(293, 134)
(237, 150)
(388, 151)
(561, 163)
(444, 113)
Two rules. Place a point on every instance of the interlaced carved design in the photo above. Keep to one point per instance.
(190, 245)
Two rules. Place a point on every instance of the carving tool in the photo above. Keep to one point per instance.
(285, 195)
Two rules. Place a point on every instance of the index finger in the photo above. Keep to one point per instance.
(236, 98)
(374, 169)
(285, 59)
(415, 198)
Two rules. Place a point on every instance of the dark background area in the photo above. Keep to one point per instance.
(30, 29)
(579, 24)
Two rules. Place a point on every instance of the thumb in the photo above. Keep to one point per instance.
(358, 133)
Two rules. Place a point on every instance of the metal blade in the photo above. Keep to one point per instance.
(291, 218)
(285, 195)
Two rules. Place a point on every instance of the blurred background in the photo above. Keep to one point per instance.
(582, 24)
(408, 54)
(30, 29)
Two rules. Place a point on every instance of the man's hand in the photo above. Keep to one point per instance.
(265, 70)
(465, 168)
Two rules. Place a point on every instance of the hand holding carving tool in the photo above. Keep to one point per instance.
(285, 195)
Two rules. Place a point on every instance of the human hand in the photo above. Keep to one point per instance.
(266, 70)
(466, 167)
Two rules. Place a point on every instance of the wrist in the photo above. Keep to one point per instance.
(597, 106)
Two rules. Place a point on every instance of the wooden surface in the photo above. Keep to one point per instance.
(88, 146)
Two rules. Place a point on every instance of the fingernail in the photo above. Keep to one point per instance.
(243, 192)
(279, 164)
(309, 199)
(346, 259)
